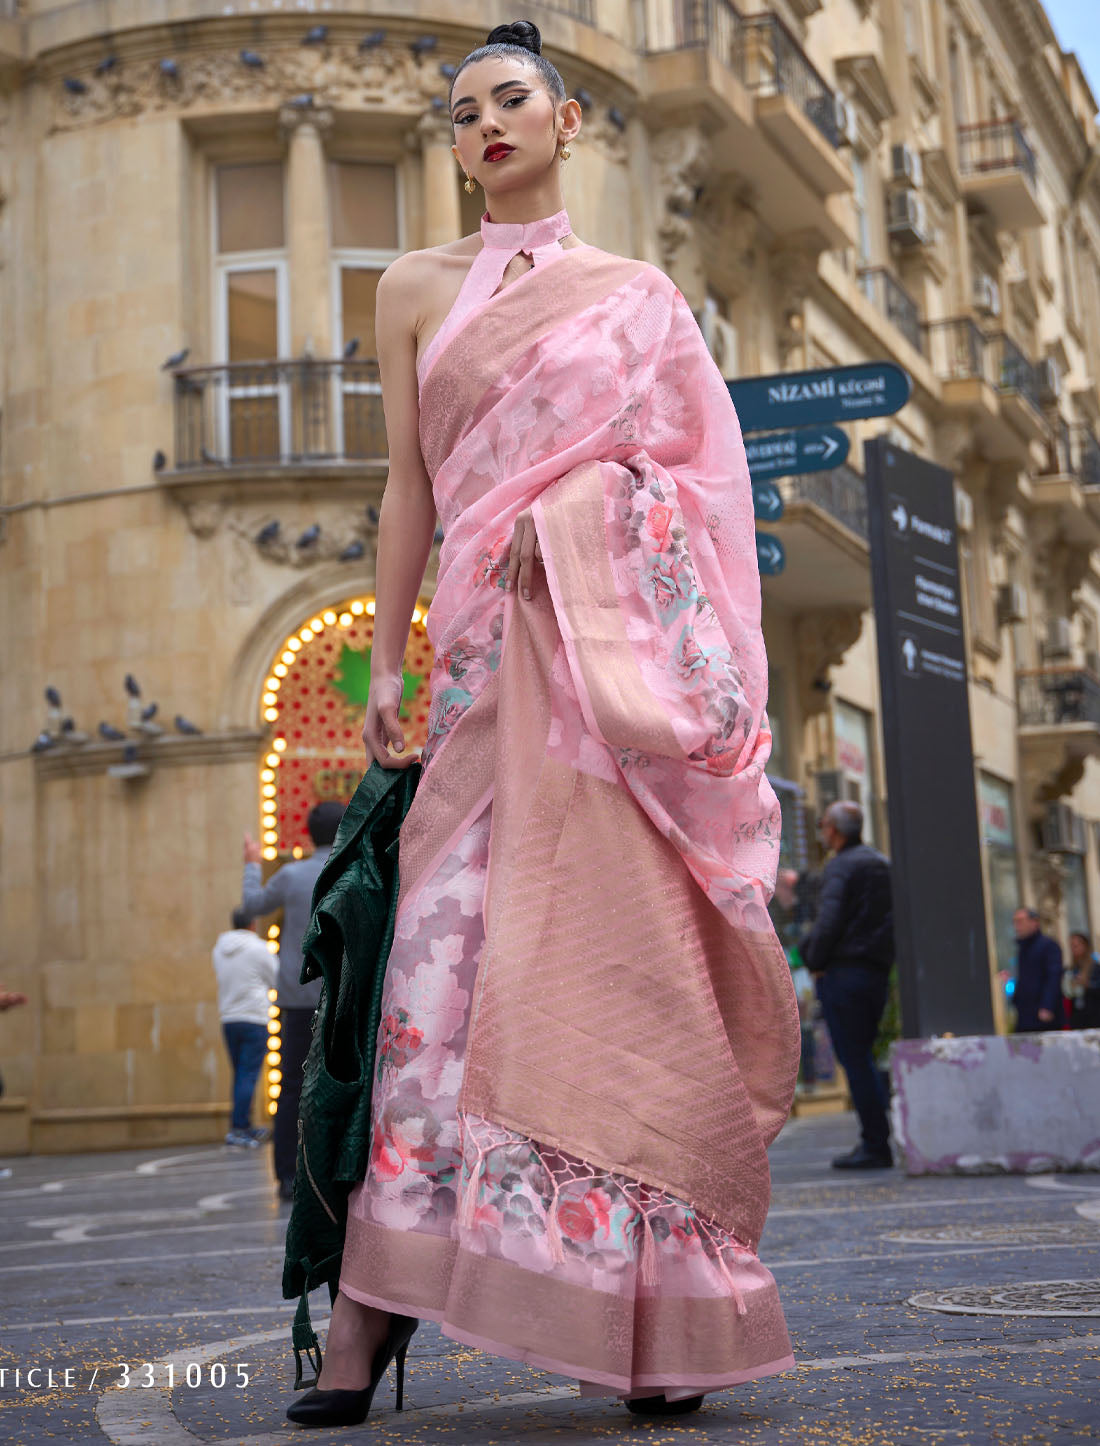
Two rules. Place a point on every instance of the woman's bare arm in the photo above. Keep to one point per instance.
(407, 521)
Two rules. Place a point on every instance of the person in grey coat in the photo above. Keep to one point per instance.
(291, 889)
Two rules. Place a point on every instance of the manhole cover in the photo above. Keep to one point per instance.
(1033, 1297)
(1050, 1232)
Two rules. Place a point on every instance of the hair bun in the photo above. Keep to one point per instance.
(521, 33)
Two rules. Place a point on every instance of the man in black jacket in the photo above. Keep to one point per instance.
(850, 950)
(1038, 995)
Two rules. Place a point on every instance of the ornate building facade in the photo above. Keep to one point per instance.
(195, 206)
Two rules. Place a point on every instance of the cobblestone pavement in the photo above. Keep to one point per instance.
(169, 1265)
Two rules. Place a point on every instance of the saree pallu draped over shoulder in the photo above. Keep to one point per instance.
(569, 1162)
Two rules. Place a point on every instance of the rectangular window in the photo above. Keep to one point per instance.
(246, 413)
(249, 202)
(855, 762)
(364, 201)
(998, 825)
(860, 201)
(363, 206)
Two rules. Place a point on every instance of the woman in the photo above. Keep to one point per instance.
(1083, 994)
(589, 1032)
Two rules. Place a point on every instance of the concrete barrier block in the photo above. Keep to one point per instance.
(992, 1104)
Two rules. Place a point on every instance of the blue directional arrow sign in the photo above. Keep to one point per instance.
(833, 394)
(771, 555)
(767, 504)
(785, 454)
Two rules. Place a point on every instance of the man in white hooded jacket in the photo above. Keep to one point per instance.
(246, 970)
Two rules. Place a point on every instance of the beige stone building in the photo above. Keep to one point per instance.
(196, 200)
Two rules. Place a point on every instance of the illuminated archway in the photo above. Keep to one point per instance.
(314, 700)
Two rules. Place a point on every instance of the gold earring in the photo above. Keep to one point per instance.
(471, 185)
(565, 153)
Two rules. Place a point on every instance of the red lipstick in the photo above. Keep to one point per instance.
(497, 151)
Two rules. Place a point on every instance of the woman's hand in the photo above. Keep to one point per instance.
(383, 725)
(524, 556)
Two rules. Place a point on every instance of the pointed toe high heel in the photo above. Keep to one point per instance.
(658, 1406)
(350, 1408)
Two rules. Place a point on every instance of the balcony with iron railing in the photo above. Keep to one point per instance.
(841, 492)
(1058, 697)
(825, 532)
(991, 379)
(998, 171)
(771, 115)
(277, 414)
(1073, 451)
(1066, 490)
(887, 295)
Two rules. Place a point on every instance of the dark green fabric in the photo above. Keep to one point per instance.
(346, 945)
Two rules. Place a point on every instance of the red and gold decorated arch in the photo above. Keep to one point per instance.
(314, 700)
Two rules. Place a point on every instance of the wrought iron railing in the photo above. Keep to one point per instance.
(1085, 453)
(886, 294)
(1050, 697)
(956, 348)
(1012, 370)
(713, 25)
(998, 145)
(840, 492)
(279, 412)
(775, 64)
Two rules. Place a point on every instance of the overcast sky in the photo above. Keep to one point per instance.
(1077, 24)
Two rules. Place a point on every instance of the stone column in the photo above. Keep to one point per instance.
(441, 178)
(307, 213)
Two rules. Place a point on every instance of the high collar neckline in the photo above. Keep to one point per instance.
(523, 235)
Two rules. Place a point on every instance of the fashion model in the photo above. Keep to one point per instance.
(589, 1032)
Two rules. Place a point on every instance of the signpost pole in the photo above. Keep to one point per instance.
(939, 907)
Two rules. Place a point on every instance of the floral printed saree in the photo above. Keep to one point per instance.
(589, 1031)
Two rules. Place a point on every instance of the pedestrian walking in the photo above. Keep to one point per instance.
(572, 1104)
(1086, 982)
(245, 970)
(1038, 991)
(850, 950)
(291, 889)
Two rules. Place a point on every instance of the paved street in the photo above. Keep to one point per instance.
(169, 1264)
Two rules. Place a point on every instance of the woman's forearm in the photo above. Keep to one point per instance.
(405, 530)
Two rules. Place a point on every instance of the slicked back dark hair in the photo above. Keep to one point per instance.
(520, 40)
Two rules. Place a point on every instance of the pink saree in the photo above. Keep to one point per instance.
(589, 1032)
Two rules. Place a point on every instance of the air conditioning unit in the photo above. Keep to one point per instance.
(1063, 830)
(1011, 604)
(964, 510)
(829, 788)
(1059, 638)
(721, 338)
(847, 122)
(906, 167)
(908, 219)
(1050, 381)
(987, 295)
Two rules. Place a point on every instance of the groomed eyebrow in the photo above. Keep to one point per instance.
(496, 90)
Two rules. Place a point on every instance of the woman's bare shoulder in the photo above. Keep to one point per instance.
(413, 269)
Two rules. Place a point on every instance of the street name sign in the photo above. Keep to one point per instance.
(787, 454)
(771, 555)
(939, 910)
(832, 394)
(767, 502)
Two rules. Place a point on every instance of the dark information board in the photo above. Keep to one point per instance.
(829, 394)
(939, 908)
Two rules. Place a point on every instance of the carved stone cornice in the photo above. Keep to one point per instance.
(434, 128)
(728, 230)
(389, 76)
(168, 751)
(821, 640)
(681, 159)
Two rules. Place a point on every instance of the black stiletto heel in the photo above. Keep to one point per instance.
(351, 1408)
(658, 1406)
